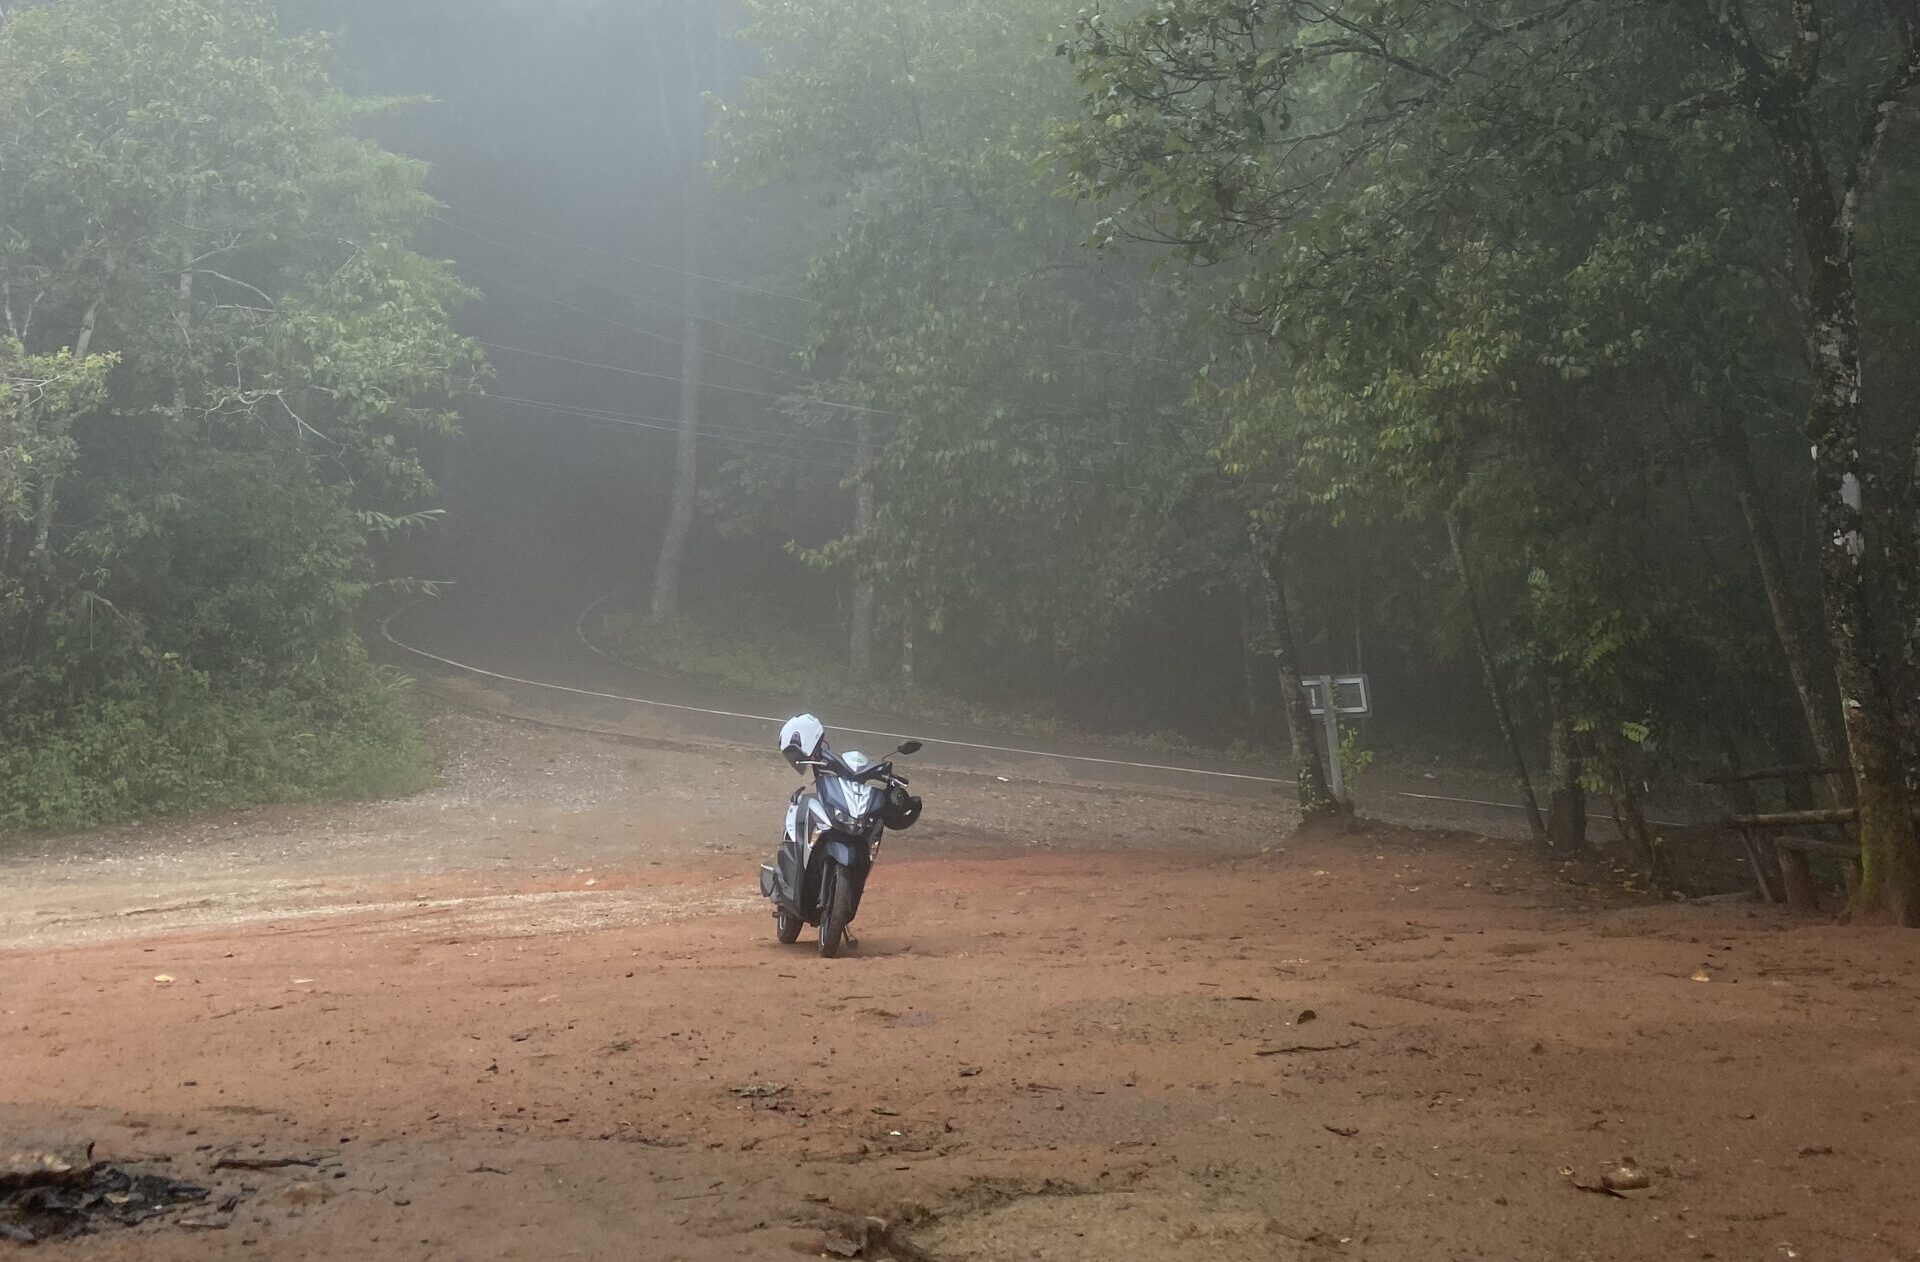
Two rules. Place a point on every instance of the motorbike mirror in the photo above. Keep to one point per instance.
(911, 747)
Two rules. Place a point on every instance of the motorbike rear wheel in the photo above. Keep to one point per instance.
(787, 927)
(836, 909)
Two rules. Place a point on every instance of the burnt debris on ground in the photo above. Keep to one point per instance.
(59, 1193)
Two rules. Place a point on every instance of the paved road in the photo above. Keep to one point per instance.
(526, 644)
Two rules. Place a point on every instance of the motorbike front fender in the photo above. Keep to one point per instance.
(852, 855)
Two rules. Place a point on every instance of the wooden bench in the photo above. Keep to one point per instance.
(1777, 843)
(1791, 850)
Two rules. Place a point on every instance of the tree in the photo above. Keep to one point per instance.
(1823, 81)
(1027, 490)
(1459, 224)
(182, 191)
(683, 118)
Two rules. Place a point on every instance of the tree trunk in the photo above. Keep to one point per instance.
(40, 555)
(1889, 848)
(1829, 748)
(183, 317)
(1629, 817)
(1907, 575)
(906, 645)
(88, 322)
(860, 636)
(1567, 796)
(1250, 652)
(1825, 213)
(686, 465)
(1496, 690)
(1316, 800)
(691, 149)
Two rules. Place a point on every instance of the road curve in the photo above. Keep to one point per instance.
(532, 647)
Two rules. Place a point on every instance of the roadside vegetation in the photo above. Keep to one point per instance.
(220, 361)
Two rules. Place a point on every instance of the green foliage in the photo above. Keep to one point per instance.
(1511, 264)
(163, 739)
(767, 663)
(1035, 465)
(1354, 755)
(221, 360)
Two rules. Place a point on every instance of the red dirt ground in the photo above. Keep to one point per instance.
(1098, 1054)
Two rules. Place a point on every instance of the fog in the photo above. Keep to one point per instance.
(959, 629)
(1042, 370)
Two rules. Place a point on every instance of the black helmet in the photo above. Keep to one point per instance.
(902, 809)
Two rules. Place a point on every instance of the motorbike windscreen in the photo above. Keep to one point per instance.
(856, 800)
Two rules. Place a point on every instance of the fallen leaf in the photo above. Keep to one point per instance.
(165, 979)
(1700, 975)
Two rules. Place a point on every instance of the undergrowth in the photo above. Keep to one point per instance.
(817, 677)
(174, 741)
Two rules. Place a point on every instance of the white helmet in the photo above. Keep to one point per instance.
(801, 739)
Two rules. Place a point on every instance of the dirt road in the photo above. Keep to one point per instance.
(538, 1014)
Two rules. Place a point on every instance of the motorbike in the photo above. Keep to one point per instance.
(833, 832)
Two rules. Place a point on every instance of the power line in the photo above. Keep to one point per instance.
(772, 293)
(495, 279)
(662, 376)
(629, 294)
(770, 444)
(763, 394)
(617, 323)
(735, 434)
(641, 417)
(637, 262)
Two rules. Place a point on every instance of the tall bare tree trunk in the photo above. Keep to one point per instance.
(1250, 651)
(1496, 690)
(860, 634)
(686, 462)
(1829, 747)
(691, 150)
(906, 647)
(183, 317)
(1316, 800)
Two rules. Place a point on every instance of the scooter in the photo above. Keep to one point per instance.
(833, 832)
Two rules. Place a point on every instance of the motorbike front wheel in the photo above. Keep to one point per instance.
(836, 909)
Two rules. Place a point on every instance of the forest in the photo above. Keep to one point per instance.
(1550, 361)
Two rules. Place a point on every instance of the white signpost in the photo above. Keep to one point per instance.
(1350, 696)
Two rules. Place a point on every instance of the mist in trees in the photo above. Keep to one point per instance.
(1547, 360)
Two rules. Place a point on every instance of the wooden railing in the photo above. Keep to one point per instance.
(1778, 849)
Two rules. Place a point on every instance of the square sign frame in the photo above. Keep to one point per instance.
(1352, 694)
